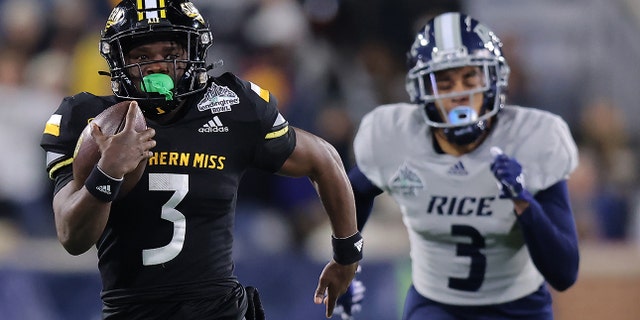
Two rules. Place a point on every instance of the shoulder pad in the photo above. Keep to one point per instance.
(545, 147)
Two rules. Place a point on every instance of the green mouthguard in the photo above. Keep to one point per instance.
(158, 83)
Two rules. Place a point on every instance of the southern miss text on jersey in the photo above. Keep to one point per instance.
(466, 245)
(173, 232)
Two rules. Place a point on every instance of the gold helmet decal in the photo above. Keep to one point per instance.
(191, 11)
(116, 16)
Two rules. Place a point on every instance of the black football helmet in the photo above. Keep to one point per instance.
(133, 23)
(453, 40)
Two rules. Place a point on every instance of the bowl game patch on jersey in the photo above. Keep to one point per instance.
(406, 181)
(218, 99)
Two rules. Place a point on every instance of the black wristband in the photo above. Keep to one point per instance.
(347, 250)
(102, 186)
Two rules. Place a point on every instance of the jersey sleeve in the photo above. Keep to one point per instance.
(550, 155)
(64, 126)
(365, 145)
(277, 139)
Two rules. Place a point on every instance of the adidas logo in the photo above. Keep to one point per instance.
(106, 189)
(358, 245)
(213, 126)
(458, 170)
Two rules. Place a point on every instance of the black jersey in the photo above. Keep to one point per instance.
(172, 234)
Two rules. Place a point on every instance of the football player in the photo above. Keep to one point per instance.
(164, 248)
(481, 185)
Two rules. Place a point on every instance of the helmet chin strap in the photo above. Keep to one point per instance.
(466, 134)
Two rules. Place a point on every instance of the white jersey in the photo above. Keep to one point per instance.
(466, 245)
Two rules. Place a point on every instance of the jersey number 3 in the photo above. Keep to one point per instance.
(471, 250)
(179, 184)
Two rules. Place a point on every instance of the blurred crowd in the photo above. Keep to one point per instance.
(328, 62)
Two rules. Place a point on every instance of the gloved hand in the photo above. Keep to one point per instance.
(508, 172)
(349, 303)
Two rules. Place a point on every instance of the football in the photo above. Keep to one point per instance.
(87, 154)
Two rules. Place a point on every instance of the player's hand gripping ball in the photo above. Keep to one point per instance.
(111, 121)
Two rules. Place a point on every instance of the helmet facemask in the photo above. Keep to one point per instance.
(462, 124)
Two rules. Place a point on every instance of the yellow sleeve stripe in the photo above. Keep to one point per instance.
(52, 126)
(264, 94)
(52, 129)
(58, 166)
(277, 134)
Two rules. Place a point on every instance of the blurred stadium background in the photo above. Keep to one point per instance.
(329, 62)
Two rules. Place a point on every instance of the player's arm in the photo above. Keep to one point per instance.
(546, 221)
(550, 233)
(80, 217)
(317, 159)
(364, 192)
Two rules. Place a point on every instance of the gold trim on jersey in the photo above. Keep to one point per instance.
(52, 129)
(59, 165)
(264, 94)
(277, 134)
(52, 126)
